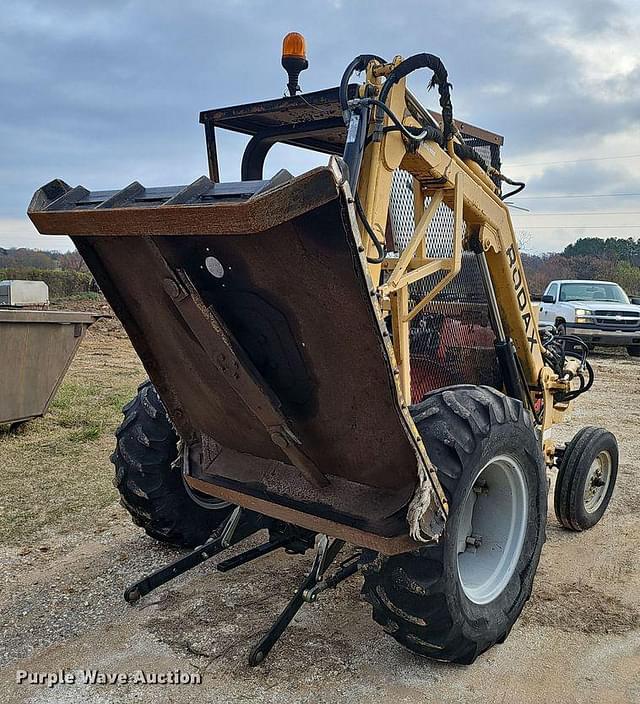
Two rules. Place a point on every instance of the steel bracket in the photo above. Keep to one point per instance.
(240, 525)
(307, 592)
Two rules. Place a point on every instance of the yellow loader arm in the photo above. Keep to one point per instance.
(445, 173)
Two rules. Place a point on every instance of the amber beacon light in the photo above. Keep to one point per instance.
(294, 59)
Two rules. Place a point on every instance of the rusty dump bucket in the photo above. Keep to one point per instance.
(251, 307)
(37, 349)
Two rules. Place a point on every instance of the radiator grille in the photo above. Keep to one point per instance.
(617, 319)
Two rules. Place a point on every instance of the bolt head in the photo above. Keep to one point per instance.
(171, 288)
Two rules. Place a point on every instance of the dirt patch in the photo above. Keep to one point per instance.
(579, 607)
(94, 303)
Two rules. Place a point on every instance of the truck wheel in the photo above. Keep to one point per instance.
(150, 485)
(453, 599)
(586, 478)
(634, 350)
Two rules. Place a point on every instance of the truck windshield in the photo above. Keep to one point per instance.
(593, 291)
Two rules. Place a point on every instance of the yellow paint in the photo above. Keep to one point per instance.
(470, 193)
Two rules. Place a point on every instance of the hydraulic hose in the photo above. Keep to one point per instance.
(358, 64)
(520, 186)
(439, 78)
(428, 132)
(370, 231)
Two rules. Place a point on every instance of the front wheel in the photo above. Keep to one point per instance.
(454, 599)
(633, 350)
(586, 478)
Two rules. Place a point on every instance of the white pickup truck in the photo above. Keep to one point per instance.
(598, 312)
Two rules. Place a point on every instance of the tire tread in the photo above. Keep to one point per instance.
(410, 590)
(150, 488)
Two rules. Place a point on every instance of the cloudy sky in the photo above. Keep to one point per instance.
(104, 93)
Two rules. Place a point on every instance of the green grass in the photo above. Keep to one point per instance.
(86, 410)
(85, 296)
(56, 474)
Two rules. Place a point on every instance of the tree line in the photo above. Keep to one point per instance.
(65, 273)
(612, 259)
(23, 258)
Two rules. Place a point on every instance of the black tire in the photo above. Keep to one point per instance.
(150, 486)
(579, 455)
(418, 597)
(561, 327)
(633, 350)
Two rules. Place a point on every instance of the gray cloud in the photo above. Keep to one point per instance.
(584, 177)
(105, 94)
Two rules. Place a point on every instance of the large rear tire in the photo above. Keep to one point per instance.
(454, 599)
(149, 482)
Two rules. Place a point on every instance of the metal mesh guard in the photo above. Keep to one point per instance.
(451, 339)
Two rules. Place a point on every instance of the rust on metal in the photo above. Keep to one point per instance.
(386, 545)
(296, 301)
(303, 194)
(240, 373)
(256, 314)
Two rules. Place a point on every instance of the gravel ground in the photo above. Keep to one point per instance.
(577, 641)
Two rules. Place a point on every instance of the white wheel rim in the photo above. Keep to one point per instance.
(597, 482)
(491, 529)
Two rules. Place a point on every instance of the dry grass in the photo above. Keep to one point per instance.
(56, 470)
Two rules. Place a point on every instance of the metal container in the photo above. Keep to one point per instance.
(15, 292)
(36, 350)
